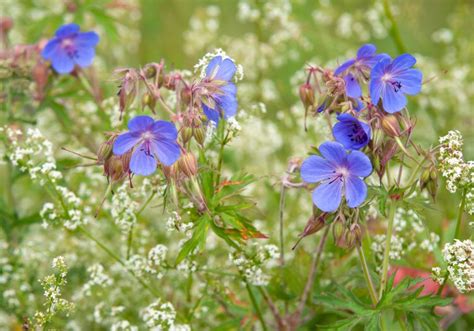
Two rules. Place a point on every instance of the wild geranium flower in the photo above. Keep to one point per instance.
(152, 141)
(350, 132)
(391, 80)
(358, 69)
(70, 47)
(221, 101)
(339, 174)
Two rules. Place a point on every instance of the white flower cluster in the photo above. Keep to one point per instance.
(31, 152)
(75, 215)
(151, 264)
(233, 127)
(123, 208)
(52, 285)
(252, 268)
(459, 257)
(161, 316)
(458, 173)
(175, 223)
(98, 279)
(123, 325)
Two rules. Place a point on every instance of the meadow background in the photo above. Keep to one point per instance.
(273, 40)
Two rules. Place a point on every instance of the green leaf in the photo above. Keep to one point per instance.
(198, 238)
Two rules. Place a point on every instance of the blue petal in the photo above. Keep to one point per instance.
(84, 56)
(229, 89)
(142, 163)
(125, 142)
(167, 151)
(327, 197)
(140, 123)
(212, 67)
(61, 61)
(333, 152)
(343, 67)
(315, 169)
(211, 114)
(352, 86)
(221, 69)
(348, 127)
(90, 39)
(366, 50)
(376, 84)
(393, 101)
(67, 30)
(411, 81)
(164, 130)
(358, 164)
(226, 70)
(356, 191)
(373, 60)
(50, 48)
(403, 62)
(359, 105)
(228, 105)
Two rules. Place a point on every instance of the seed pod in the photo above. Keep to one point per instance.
(148, 101)
(390, 125)
(105, 149)
(199, 135)
(338, 232)
(187, 164)
(307, 95)
(353, 236)
(314, 224)
(186, 134)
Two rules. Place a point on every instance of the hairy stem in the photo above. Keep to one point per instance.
(368, 279)
(388, 240)
(311, 276)
(255, 306)
(130, 232)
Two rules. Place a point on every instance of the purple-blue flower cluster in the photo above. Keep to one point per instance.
(222, 100)
(339, 174)
(70, 47)
(152, 141)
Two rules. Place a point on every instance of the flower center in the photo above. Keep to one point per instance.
(397, 85)
(357, 134)
(342, 172)
(147, 136)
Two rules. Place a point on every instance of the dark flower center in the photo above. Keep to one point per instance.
(397, 85)
(357, 134)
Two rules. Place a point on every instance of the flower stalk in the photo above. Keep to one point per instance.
(388, 240)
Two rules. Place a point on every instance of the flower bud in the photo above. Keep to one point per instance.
(429, 181)
(199, 135)
(105, 149)
(338, 232)
(314, 224)
(390, 125)
(186, 95)
(353, 236)
(148, 101)
(186, 134)
(307, 95)
(116, 167)
(187, 163)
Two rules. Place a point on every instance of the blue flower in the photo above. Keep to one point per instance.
(392, 80)
(221, 101)
(70, 47)
(339, 174)
(153, 141)
(359, 68)
(351, 132)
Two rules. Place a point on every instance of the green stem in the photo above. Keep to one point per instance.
(394, 32)
(368, 279)
(388, 240)
(130, 232)
(456, 233)
(255, 306)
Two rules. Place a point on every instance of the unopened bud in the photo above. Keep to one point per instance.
(314, 224)
(390, 125)
(199, 135)
(338, 232)
(353, 236)
(429, 181)
(186, 134)
(186, 95)
(148, 101)
(187, 164)
(116, 167)
(307, 95)
(105, 149)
